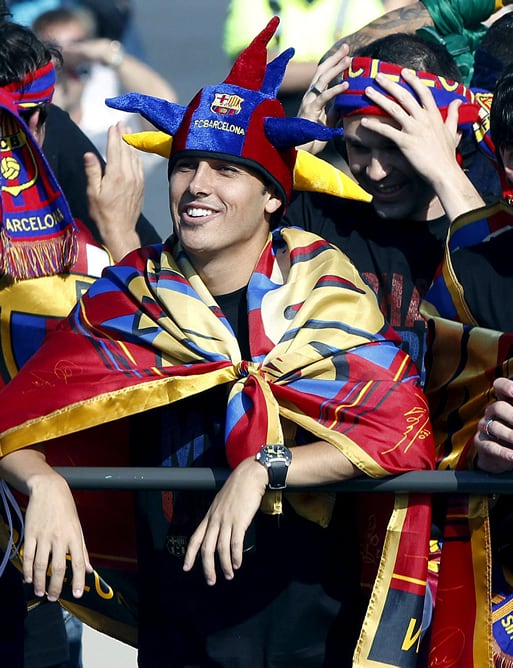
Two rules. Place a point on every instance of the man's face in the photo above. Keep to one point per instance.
(507, 161)
(398, 191)
(71, 37)
(219, 208)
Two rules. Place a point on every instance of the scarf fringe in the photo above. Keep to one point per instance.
(23, 260)
(499, 659)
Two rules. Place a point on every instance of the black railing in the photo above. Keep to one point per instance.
(211, 479)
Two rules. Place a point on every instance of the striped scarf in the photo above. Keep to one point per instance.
(474, 112)
(37, 232)
(149, 333)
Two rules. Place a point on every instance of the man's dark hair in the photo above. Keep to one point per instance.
(414, 52)
(501, 113)
(494, 54)
(498, 41)
(21, 52)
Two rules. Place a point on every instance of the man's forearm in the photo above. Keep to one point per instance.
(319, 463)
(405, 19)
(458, 195)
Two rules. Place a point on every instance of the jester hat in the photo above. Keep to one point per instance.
(473, 113)
(241, 120)
(37, 229)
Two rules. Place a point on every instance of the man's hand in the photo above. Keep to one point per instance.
(420, 133)
(115, 198)
(52, 527)
(493, 440)
(427, 141)
(318, 95)
(223, 528)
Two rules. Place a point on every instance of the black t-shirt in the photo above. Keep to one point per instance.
(398, 258)
(486, 272)
(291, 598)
(235, 308)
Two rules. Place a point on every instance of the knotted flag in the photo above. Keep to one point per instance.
(149, 332)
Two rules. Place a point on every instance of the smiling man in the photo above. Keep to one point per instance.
(401, 134)
(216, 207)
(245, 345)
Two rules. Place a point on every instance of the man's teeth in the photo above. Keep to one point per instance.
(388, 189)
(198, 213)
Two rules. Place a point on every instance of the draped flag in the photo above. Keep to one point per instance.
(464, 361)
(149, 333)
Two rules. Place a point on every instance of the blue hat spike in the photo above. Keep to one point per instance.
(275, 72)
(165, 116)
(287, 132)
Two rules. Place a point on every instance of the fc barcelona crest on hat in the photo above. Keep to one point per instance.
(226, 105)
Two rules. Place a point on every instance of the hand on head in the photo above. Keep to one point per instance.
(317, 98)
(427, 141)
(493, 440)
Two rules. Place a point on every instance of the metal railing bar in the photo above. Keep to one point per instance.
(212, 479)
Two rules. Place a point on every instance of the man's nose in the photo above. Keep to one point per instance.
(377, 168)
(200, 183)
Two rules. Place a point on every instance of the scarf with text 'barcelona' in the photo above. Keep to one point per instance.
(37, 230)
(149, 333)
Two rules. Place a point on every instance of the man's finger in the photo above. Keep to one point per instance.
(93, 171)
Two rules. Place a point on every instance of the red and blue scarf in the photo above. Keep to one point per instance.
(474, 113)
(37, 232)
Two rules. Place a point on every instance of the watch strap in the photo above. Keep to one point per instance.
(277, 474)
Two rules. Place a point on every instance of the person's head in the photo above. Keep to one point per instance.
(65, 25)
(21, 55)
(501, 122)
(232, 157)
(61, 29)
(398, 191)
(410, 50)
(494, 53)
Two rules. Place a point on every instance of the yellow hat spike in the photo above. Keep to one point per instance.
(151, 142)
(314, 174)
(310, 172)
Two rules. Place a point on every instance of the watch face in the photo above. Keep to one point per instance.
(276, 458)
(276, 450)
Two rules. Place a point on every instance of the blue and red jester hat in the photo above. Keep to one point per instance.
(240, 119)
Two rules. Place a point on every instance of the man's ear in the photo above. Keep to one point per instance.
(274, 202)
(506, 155)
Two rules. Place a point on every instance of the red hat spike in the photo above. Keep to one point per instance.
(249, 69)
